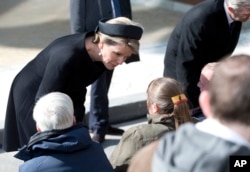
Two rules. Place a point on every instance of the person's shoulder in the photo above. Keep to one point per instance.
(185, 130)
(71, 36)
(203, 10)
(145, 132)
(209, 3)
(133, 132)
(64, 41)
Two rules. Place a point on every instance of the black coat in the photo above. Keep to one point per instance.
(63, 66)
(202, 36)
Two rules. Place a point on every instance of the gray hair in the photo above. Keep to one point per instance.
(54, 111)
(237, 4)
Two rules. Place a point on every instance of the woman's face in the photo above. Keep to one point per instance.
(113, 55)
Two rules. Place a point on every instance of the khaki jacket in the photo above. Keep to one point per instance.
(137, 137)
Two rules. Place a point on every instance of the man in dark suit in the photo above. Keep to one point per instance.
(84, 16)
(206, 33)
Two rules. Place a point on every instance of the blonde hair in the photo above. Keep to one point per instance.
(111, 40)
(161, 91)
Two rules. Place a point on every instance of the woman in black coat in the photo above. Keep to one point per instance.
(202, 36)
(69, 64)
(84, 16)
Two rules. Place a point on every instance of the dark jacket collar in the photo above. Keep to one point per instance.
(41, 136)
(66, 140)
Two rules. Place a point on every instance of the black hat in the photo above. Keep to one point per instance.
(119, 30)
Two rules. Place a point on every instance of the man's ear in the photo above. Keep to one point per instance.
(230, 11)
(204, 101)
(74, 120)
(38, 129)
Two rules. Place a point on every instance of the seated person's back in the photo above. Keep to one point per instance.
(59, 145)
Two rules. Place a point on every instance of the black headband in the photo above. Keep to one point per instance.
(119, 30)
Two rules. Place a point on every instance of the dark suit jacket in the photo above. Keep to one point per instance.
(202, 36)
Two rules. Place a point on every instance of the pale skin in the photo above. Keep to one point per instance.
(241, 15)
(110, 55)
(204, 80)
(152, 107)
(206, 76)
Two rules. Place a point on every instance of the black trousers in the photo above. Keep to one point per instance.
(99, 104)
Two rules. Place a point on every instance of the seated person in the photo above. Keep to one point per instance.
(208, 145)
(206, 75)
(167, 110)
(59, 145)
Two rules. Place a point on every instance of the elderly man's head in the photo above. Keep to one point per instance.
(54, 111)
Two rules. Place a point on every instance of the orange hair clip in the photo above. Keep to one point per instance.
(181, 98)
